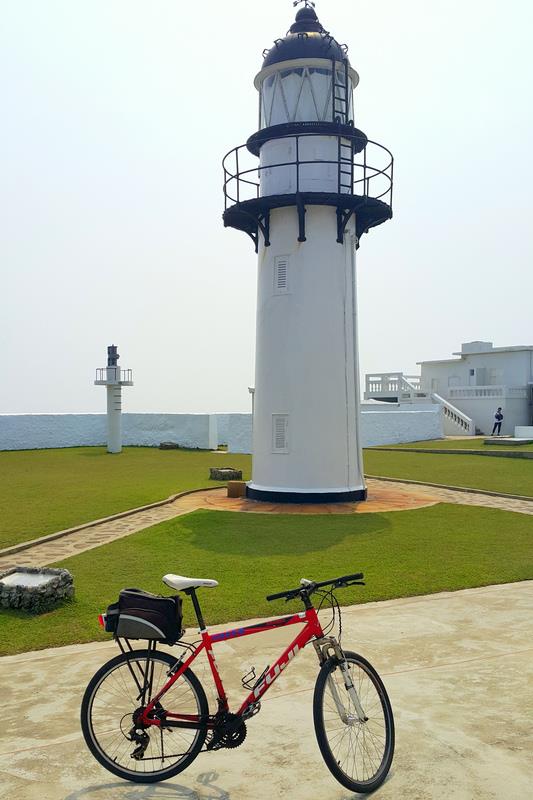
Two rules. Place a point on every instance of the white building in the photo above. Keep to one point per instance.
(478, 380)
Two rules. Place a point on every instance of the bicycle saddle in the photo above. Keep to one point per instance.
(180, 582)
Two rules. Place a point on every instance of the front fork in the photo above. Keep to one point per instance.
(326, 647)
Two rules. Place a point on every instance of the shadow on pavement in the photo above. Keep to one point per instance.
(375, 793)
(123, 790)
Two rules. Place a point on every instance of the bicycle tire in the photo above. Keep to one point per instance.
(338, 745)
(112, 689)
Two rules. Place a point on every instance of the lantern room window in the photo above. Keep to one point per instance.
(306, 94)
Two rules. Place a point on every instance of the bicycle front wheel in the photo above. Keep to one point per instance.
(354, 724)
(107, 717)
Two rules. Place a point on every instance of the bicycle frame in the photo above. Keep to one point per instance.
(312, 630)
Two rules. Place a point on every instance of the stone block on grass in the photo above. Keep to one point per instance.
(35, 589)
(225, 474)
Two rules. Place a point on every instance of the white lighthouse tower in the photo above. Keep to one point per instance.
(306, 205)
(113, 378)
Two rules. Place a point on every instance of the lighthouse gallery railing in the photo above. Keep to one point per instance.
(116, 374)
(356, 175)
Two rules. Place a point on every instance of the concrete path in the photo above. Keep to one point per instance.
(50, 550)
(458, 668)
(383, 495)
(468, 497)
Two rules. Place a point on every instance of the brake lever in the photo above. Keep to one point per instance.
(343, 584)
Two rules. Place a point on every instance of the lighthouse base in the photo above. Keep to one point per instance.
(273, 496)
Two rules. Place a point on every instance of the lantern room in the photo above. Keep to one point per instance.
(310, 152)
(306, 77)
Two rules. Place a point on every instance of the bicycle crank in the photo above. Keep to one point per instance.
(231, 732)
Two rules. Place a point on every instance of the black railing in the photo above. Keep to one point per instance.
(120, 375)
(356, 176)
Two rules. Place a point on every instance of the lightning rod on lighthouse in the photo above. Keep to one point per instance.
(318, 186)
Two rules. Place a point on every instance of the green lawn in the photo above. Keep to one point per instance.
(472, 443)
(444, 547)
(508, 475)
(43, 491)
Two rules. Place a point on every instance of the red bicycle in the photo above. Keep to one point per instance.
(145, 715)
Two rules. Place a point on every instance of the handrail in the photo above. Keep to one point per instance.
(235, 174)
(455, 414)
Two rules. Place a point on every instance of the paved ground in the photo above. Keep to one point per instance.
(472, 498)
(49, 551)
(383, 495)
(458, 667)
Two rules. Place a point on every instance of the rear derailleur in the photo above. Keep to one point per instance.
(141, 739)
(138, 735)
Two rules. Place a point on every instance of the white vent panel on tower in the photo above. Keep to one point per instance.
(280, 433)
(281, 274)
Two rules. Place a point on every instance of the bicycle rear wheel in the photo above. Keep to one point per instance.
(107, 709)
(357, 753)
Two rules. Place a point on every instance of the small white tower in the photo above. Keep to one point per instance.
(113, 378)
(319, 185)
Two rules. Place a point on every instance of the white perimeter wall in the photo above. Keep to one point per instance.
(223, 421)
(381, 423)
(32, 431)
(400, 423)
(240, 433)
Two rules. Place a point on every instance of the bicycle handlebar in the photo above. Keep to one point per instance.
(311, 586)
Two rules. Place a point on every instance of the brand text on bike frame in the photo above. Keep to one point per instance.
(312, 630)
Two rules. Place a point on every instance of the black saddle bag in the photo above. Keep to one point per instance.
(142, 615)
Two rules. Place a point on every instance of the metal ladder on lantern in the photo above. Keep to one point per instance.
(345, 166)
(340, 115)
(340, 92)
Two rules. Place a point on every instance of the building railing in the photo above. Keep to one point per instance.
(414, 396)
(520, 392)
(483, 392)
(414, 380)
(113, 375)
(457, 418)
(391, 384)
(355, 174)
(407, 389)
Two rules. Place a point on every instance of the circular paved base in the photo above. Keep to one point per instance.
(381, 497)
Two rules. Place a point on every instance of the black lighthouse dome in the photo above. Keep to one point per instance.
(306, 38)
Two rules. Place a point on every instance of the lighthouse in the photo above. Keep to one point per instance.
(305, 187)
(113, 378)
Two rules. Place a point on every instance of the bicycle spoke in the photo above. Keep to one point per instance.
(358, 748)
(111, 716)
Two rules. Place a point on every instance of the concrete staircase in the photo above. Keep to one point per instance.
(395, 387)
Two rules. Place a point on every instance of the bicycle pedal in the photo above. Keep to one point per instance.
(252, 710)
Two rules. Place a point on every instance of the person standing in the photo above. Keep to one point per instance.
(498, 419)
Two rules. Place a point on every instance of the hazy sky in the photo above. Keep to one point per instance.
(115, 117)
